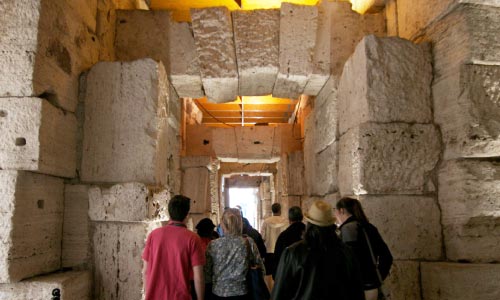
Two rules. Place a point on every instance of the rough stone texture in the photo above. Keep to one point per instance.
(106, 29)
(256, 37)
(127, 202)
(403, 281)
(76, 242)
(385, 80)
(326, 116)
(469, 196)
(309, 153)
(387, 158)
(348, 28)
(213, 35)
(142, 34)
(417, 216)
(298, 29)
(450, 281)
(173, 181)
(125, 131)
(45, 45)
(37, 137)
(31, 217)
(197, 161)
(326, 166)
(196, 186)
(193, 115)
(321, 56)
(295, 173)
(183, 68)
(391, 16)
(74, 285)
(117, 250)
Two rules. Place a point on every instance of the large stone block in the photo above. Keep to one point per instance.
(117, 250)
(74, 285)
(256, 37)
(403, 281)
(295, 173)
(469, 196)
(417, 216)
(196, 162)
(37, 137)
(31, 217)
(298, 29)
(309, 153)
(75, 242)
(451, 281)
(196, 186)
(184, 68)
(326, 116)
(391, 158)
(45, 45)
(125, 130)
(213, 35)
(127, 202)
(385, 80)
(326, 166)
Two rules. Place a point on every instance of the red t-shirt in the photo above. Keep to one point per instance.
(171, 252)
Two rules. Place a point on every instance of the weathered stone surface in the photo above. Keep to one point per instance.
(125, 130)
(196, 162)
(37, 137)
(325, 179)
(106, 29)
(417, 216)
(75, 243)
(213, 35)
(45, 45)
(450, 281)
(72, 285)
(403, 281)
(117, 250)
(183, 68)
(309, 153)
(142, 34)
(385, 80)
(196, 185)
(348, 28)
(326, 116)
(387, 158)
(127, 202)
(298, 28)
(31, 217)
(469, 193)
(192, 113)
(295, 173)
(256, 37)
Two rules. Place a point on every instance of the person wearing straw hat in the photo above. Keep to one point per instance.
(320, 266)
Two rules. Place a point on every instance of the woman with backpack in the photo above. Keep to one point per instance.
(372, 253)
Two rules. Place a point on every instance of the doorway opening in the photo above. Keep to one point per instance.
(247, 198)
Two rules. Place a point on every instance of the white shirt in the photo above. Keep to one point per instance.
(271, 229)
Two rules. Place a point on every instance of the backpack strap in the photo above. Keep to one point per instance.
(372, 254)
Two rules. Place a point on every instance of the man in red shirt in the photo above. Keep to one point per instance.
(171, 255)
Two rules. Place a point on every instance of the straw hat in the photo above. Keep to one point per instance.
(320, 213)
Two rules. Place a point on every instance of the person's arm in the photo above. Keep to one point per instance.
(199, 282)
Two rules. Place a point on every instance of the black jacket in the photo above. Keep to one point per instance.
(288, 237)
(306, 274)
(351, 233)
(255, 235)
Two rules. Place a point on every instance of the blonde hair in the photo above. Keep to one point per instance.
(232, 222)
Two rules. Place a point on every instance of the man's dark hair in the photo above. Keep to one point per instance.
(178, 207)
(295, 214)
(276, 208)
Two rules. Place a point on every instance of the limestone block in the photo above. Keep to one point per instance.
(196, 186)
(447, 281)
(213, 35)
(37, 137)
(326, 116)
(391, 158)
(321, 56)
(192, 113)
(45, 50)
(127, 202)
(125, 129)
(309, 153)
(76, 242)
(298, 29)
(415, 15)
(466, 108)
(31, 214)
(348, 28)
(173, 181)
(385, 80)
(196, 162)
(295, 173)
(142, 34)
(403, 281)
(418, 217)
(183, 68)
(117, 250)
(469, 193)
(325, 180)
(256, 38)
(72, 285)
(106, 29)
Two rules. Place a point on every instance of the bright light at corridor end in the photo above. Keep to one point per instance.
(362, 6)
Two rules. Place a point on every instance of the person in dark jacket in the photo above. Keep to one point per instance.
(367, 244)
(291, 235)
(255, 235)
(320, 267)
